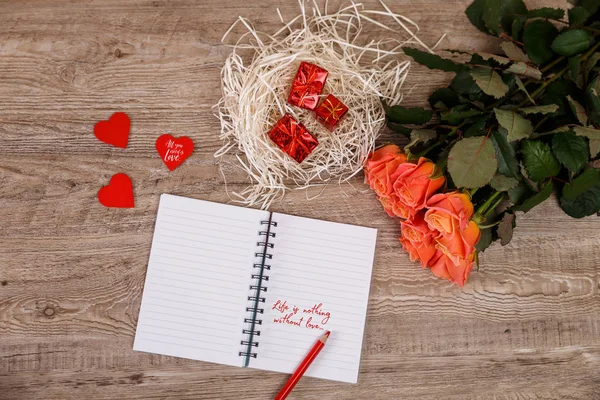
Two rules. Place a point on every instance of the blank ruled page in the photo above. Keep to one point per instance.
(319, 280)
(196, 289)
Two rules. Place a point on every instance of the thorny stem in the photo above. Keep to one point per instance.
(540, 123)
(552, 64)
(533, 95)
(543, 86)
(489, 226)
(544, 69)
(494, 205)
(482, 210)
(557, 75)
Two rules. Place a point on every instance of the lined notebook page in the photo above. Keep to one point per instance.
(196, 289)
(319, 280)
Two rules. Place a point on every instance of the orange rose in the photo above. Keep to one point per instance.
(442, 267)
(394, 207)
(418, 240)
(448, 211)
(413, 184)
(455, 253)
(380, 166)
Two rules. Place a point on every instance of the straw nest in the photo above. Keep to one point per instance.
(256, 81)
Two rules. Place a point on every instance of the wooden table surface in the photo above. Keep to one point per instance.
(526, 326)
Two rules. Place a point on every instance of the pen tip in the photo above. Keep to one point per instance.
(327, 333)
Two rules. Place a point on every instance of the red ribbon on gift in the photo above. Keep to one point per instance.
(307, 85)
(293, 138)
(331, 111)
(310, 78)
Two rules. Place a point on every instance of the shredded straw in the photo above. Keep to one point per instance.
(362, 73)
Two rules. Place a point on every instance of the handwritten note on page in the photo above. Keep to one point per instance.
(319, 280)
(195, 295)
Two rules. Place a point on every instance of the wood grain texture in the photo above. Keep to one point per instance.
(527, 326)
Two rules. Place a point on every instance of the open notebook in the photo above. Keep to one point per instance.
(246, 287)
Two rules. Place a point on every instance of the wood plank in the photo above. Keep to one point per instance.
(527, 326)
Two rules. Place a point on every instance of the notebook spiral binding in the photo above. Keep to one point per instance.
(258, 288)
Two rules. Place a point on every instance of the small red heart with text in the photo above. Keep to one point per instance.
(115, 131)
(174, 151)
(118, 193)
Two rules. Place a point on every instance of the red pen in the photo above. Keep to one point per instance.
(312, 354)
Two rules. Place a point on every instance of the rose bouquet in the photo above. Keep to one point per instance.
(437, 228)
(508, 131)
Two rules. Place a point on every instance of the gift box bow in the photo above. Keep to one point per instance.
(293, 138)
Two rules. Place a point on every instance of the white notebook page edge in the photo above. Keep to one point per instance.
(317, 262)
(195, 293)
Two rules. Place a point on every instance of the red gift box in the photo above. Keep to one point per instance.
(293, 138)
(307, 86)
(331, 111)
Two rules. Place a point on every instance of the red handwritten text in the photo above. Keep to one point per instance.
(316, 310)
(294, 317)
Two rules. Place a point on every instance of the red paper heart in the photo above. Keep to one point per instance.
(118, 193)
(115, 131)
(174, 151)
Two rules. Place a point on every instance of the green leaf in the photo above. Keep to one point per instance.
(584, 182)
(403, 115)
(475, 14)
(571, 42)
(520, 193)
(523, 89)
(575, 70)
(537, 37)
(464, 84)
(489, 81)
(513, 52)
(505, 228)
(590, 63)
(517, 27)
(446, 96)
(420, 136)
(477, 128)
(505, 154)
(571, 150)
(578, 16)
(546, 12)
(521, 68)
(539, 161)
(594, 147)
(547, 109)
(516, 126)
(502, 183)
(590, 5)
(472, 162)
(578, 110)
(498, 59)
(536, 199)
(592, 100)
(485, 240)
(399, 128)
(592, 134)
(581, 197)
(433, 61)
(456, 117)
(499, 15)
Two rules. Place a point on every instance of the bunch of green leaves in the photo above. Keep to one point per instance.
(513, 128)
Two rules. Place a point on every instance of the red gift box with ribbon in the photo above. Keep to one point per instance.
(293, 138)
(307, 86)
(331, 111)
